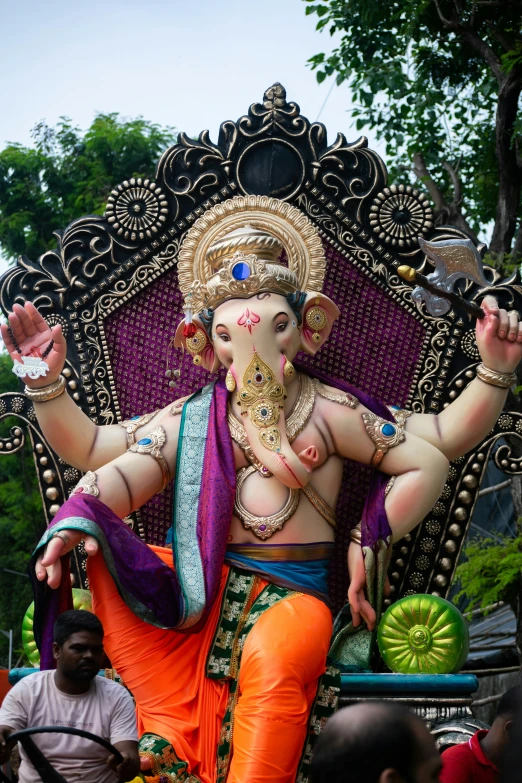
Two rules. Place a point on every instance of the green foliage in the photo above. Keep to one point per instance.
(69, 174)
(492, 571)
(22, 523)
(424, 88)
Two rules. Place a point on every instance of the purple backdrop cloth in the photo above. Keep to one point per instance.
(145, 583)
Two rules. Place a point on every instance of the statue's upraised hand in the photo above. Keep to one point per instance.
(499, 337)
(31, 332)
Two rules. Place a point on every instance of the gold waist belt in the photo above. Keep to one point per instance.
(322, 550)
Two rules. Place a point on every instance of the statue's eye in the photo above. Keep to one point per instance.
(225, 337)
(281, 326)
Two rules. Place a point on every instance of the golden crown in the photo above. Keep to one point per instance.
(233, 251)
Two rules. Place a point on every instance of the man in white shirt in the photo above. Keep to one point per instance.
(73, 695)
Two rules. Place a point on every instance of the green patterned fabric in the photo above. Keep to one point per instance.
(352, 648)
(165, 764)
(187, 488)
(324, 706)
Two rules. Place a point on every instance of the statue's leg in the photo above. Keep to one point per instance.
(165, 671)
(284, 656)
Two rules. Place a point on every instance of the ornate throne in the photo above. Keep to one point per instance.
(112, 284)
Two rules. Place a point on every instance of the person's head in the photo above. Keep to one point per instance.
(78, 645)
(508, 708)
(375, 742)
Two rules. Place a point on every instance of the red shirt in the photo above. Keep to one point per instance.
(467, 763)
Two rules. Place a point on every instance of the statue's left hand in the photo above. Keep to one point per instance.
(48, 563)
(359, 604)
(499, 337)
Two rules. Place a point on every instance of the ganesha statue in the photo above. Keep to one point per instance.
(224, 634)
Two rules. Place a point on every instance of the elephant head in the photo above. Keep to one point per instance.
(252, 318)
(255, 339)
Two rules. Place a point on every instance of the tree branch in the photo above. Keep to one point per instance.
(422, 173)
(457, 185)
(517, 247)
(446, 213)
(469, 35)
(452, 25)
(507, 43)
(484, 50)
(510, 176)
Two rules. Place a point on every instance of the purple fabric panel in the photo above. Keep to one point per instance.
(374, 521)
(54, 603)
(218, 487)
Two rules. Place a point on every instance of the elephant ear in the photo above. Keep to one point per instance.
(209, 360)
(331, 313)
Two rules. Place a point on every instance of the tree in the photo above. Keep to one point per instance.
(22, 522)
(492, 572)
(68, 174)
(440, 82)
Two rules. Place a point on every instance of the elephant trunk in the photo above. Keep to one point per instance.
(264, 421)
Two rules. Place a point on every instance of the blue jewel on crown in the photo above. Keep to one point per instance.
(241, 271)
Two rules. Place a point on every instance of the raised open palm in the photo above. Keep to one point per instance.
(30, 332)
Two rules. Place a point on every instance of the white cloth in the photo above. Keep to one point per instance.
(106, 710)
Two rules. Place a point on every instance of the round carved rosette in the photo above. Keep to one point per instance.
(400, 214)
(137, 209)
(423, 634)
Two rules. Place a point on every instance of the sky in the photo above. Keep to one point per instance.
(190, 64)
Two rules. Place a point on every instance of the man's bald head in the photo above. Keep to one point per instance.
(375, 742)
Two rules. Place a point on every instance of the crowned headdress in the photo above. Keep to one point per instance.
(233, 251)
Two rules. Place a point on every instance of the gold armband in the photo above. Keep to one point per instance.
(384, 434)
(87, 485)
(504, 380)
(355, 534)
(399, 414)
(46, 393)
(133, 424)
(152, 444)
(389, 486)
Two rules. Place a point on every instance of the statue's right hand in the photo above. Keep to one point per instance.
(48, 564)
(30, 330)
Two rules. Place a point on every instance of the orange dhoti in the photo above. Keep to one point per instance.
(283, 657)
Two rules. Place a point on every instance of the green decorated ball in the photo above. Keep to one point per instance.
(423, 634)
